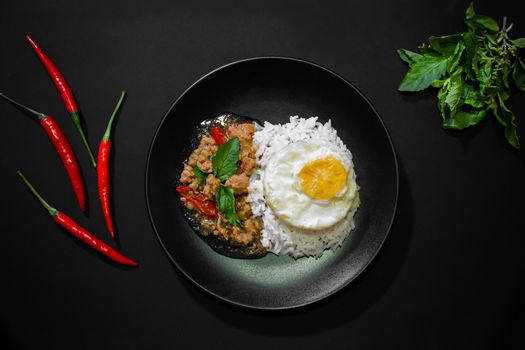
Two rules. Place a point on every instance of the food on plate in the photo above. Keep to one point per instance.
(214, 187)
(310, 185)
(305, 188)
(289, 189)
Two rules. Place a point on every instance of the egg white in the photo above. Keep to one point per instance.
(283, 192)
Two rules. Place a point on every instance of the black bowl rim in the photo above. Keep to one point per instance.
(198, 81)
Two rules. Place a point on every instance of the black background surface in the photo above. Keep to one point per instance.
(451, 274)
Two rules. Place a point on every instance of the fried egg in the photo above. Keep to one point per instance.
(310, 185)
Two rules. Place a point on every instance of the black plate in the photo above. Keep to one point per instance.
(271, 89)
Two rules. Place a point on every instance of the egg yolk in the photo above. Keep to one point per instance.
(322, 178)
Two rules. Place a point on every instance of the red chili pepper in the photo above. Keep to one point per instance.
(218, 135)
(64, 90)
(79, 232)
(204, 205)
(103, 169)
(63, 149)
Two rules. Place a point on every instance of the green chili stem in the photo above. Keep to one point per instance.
(39, 115)
(107, 134)
(52, 211)
(76, 121)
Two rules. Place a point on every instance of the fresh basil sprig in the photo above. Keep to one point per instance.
(226, 202)
(472, 72)
(200, 175)
(224, 165)
(224, 162)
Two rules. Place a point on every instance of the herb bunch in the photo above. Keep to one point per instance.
(472, 71)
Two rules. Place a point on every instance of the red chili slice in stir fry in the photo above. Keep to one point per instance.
(218, 135)
(205, 206)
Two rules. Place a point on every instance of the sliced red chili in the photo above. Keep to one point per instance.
(218, 135)
(205, 206)
(183, 190)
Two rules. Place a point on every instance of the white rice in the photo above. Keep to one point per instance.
(277, 237)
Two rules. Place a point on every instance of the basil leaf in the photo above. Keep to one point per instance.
(464, 118)
(226, 202)
(453, 62)
(472, 97)
(518, 74)
(450, 94)
(519, 43)
(442, 96)
(438, 83)
(224, 162)
(484, 74)
(408, 56)
(445, 45)
(479, 22)
(200, 175)
(423, 72)
(503, 79)
(507, 119)
(471, 59)
(470, 11)
(456, 91)
(482, 23)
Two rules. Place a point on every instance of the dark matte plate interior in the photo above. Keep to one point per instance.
(271, 89)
